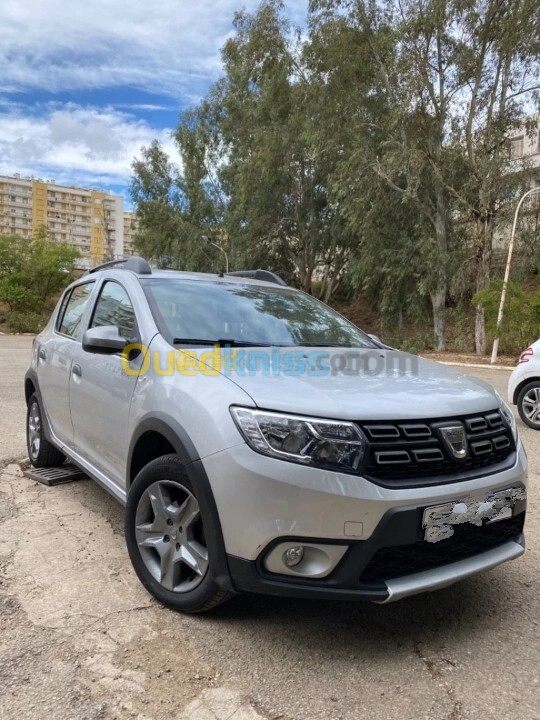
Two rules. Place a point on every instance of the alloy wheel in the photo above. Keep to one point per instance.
(531, 405)
(34, 431)
(170, 537)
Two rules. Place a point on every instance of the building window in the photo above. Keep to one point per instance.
(516, 147)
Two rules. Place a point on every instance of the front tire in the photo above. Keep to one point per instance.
(528, 404)
(40, 451)
(165, 537)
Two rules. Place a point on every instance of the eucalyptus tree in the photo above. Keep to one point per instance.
(274, 172)
(499, 64)
(457, 77)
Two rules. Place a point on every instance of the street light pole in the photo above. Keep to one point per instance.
(507, 274)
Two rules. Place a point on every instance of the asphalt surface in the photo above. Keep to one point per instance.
(80, 638)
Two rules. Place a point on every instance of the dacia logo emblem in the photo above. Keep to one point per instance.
(456, 440)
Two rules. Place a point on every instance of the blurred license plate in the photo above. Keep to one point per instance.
(438, 521)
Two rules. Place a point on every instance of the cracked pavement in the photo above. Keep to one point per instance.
(81, 639)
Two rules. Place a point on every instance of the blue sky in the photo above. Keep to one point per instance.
(85, 84)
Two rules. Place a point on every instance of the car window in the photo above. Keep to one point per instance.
(114, 308)
(70, 322)
(218, 310)
(62, 309)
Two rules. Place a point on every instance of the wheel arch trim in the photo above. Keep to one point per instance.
(171, 430)
(31, 377)
(522, 384)
(183, 446)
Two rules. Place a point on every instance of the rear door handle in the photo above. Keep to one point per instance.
(76, 370)
(42, 354)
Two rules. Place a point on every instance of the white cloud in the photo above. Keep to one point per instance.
(171, 46)
(168, 48)
(82, 145)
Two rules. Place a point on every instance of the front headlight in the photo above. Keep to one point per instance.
(508, 415)
(310, 441)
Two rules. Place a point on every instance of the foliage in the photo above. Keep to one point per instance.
(521, 318)
(31, 271)
(368, 149)
(23, 321)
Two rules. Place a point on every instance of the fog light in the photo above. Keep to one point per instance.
(293, 556)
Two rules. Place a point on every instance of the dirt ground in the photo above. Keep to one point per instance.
(80, 639)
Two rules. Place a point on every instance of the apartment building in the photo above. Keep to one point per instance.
(90, 220)
(130, 228)
(525, 144)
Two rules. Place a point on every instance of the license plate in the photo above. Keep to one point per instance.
(438, 521)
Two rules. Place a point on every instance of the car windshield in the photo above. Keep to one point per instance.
(195, 312)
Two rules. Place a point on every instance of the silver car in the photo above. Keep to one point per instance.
(260, 442)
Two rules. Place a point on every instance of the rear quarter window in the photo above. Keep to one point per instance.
(72, 310)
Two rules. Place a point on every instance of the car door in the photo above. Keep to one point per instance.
(55, 355)
(100, 390)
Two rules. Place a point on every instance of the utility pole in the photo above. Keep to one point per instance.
(507, 274)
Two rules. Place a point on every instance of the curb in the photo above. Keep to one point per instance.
(476, 365)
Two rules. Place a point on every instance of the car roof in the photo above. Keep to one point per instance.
(141, 269)
(206, 277)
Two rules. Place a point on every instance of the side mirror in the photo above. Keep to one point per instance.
(105, 339)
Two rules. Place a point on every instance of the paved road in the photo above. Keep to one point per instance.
(79, 637)
(14, 358)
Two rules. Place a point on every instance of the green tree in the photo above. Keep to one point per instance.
(498, 60)
(254, 176)
(403, 42)
(457, 77)
(31, 271)
(521, 318)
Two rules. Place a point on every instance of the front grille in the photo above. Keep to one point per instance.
(468, 540)
(399, 452)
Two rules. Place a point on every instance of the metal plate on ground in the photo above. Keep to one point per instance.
(56, 475)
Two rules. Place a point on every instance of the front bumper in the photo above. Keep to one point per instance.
(395, 561)
(263, 502)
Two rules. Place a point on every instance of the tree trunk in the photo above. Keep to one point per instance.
(438, 295)
(484, 242)
(438, 302)
(480, 330)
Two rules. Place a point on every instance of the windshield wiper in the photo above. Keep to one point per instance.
(222, 342)
(334, 345)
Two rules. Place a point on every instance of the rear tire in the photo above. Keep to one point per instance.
(528, 404)
(165, 538)
(40, 451)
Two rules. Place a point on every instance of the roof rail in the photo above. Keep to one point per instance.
(134, 263)
(265, 275)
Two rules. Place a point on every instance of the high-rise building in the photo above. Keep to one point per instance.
(130, 228)
(90, 220)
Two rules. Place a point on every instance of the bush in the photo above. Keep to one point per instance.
(460, 329)
(415, 342)
(31, 271)
(23, 322)
(521, 319)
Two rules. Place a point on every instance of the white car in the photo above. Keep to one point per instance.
(524, 386)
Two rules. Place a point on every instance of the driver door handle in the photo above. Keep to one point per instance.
(76, 370)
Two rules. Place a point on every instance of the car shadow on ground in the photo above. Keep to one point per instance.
(457, 616)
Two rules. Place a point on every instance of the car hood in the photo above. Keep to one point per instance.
(362, 385)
